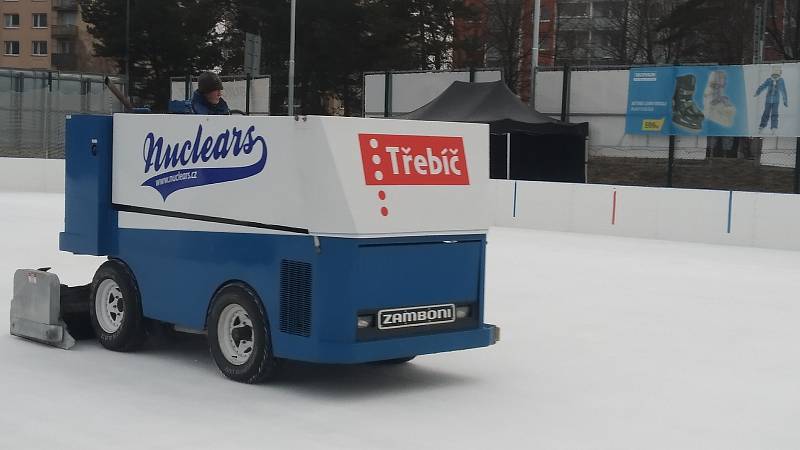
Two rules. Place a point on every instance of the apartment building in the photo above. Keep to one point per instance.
(589, 31)
(515, 12)
(46, 35)
(500, 25)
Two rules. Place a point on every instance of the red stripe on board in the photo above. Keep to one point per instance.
(614, 210)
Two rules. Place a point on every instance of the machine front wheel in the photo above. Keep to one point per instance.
(116, 309)
(238, 335)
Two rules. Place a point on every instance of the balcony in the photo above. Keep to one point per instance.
(64, 31)
(574, 23)
(64, 61)
(65, 5)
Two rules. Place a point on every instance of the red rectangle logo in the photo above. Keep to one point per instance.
(396, 159)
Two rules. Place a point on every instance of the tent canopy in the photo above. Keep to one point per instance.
(495, 104)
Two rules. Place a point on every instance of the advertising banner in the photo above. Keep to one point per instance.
(757, 100)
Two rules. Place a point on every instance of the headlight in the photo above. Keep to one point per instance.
(365, 321)
(462, 312)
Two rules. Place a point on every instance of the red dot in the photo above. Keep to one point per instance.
(382, 195)
(384, 211)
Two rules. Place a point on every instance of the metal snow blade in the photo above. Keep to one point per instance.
(41, 309)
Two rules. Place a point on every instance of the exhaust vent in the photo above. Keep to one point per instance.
(295, 298)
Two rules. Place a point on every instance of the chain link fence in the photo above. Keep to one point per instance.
(34, 106)
(726, 163)
(247, 94)
(598, 95)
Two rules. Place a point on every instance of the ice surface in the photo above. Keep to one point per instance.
(607, 343)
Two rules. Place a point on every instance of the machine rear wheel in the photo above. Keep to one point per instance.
(116, 309)
(238, 335)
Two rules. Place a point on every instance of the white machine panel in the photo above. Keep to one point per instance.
(231, 167)
(330, 175)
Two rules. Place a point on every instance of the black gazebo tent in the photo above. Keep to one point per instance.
(541, 149)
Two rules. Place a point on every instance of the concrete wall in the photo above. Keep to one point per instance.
(691, 215)
(31, 175)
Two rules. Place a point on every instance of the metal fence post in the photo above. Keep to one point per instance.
(247, 94)
(670, 159)
(18, 88)
(797, 167)
(565, 93)
(46, 116)
(43, 106)
(387, 94)
(86, 89)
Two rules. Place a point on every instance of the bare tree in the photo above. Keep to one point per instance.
(618, 32)
(643, 40)
(717, 31)
(502, 37)
(783, 34)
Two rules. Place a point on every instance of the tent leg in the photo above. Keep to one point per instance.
(508, 156)
(586, 161)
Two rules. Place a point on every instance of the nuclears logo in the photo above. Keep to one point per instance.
(395, 159)
(190, 158)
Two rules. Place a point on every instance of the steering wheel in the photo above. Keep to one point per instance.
(239, 112)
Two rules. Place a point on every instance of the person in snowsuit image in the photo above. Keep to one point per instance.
(207, 99)
(776, 91)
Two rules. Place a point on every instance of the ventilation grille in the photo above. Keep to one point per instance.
(296, 298)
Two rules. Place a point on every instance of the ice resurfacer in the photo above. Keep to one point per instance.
(321, 239)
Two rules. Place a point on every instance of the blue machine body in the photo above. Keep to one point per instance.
(180, 107)
(313, 289)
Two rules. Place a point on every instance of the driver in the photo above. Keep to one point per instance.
(207, 99)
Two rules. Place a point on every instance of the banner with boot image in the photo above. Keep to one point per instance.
(714, 100)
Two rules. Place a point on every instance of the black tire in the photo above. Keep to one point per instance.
(260, 364)
(131, 333)
(75, 304)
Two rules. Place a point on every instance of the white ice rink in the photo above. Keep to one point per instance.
(607, 343)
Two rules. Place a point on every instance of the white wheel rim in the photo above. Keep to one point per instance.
(235, 334)
(109, 306)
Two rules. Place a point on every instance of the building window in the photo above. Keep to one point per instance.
(603, 39)
(39, 47)
(544, 41)
(612, 10)
(64, 46)
(492, 57)
(573, 9)
(572, 44)
(573, 40)
(12, 48)
(68, 18)
(11, 20)
(40, 21)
